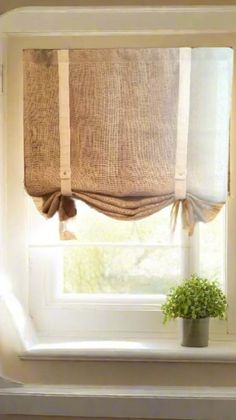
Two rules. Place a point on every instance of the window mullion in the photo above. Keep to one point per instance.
(190, 252)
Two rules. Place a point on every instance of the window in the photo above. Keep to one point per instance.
(56, 292)
(124, 267)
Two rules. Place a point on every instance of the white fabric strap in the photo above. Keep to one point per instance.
(182, 122)
(64, 121)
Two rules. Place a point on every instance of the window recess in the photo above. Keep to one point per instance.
(56, 302)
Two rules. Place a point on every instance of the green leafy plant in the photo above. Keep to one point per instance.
(195, 298)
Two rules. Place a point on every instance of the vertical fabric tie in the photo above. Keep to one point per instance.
(64, 131)
(182, 123)
(64, 121)
(182, 133)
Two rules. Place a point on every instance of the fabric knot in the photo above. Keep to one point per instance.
(56, 202)
(194, 210)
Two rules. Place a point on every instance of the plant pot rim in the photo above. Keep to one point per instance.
(195, 319)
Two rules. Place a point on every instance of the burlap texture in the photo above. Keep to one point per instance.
(123, 115)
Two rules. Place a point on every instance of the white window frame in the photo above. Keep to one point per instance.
(94, 27)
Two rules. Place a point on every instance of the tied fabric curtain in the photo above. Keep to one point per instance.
(128, 130)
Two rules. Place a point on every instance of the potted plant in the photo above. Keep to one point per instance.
(195, 301)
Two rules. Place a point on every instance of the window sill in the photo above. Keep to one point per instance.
(133, 350)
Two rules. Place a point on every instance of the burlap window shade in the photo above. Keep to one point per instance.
(128, 131)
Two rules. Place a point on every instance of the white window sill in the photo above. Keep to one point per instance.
(133, 350)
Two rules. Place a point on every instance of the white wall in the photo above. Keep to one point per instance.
(103, 372)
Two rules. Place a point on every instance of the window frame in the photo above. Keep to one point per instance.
(15, 193)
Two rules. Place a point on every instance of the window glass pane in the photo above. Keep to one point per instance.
(212, 248)
(132, 270)
(130, 257)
